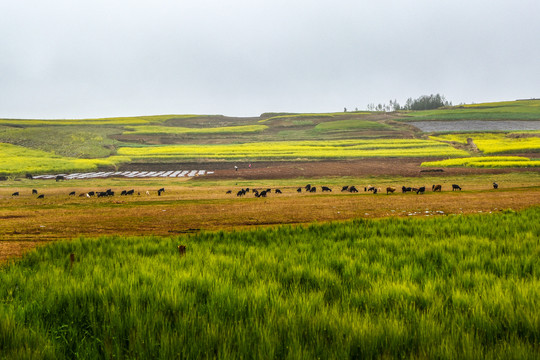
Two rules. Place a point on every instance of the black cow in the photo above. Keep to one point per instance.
(278, 191)
(34, 192)
(456, 187)
(41, 196)
(29, 176)
(353, 189)
(372, 188)
(72, 193)
(299, 190)
(123, 193)
(15, 194)
(495, 185)
(241, 193)
(229, 192)
(160, 191)
(60, 177)
(326, 188)
(308, 187)
(345, 188)
(130, 192)
(91, 193)
(405, 189)
(313, 189)
(263, 193)
(421, 190)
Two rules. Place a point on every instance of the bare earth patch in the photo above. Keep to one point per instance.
(406, 167)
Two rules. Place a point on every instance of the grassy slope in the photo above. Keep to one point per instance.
(70, 141)
(446, 287)
(113, 121)
(351, 124)
(185, 130)
(507, 110)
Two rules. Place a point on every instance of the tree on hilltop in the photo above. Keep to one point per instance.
(424, 102)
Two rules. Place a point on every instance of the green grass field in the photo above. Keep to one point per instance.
(70, 141)
(447, 287)
(352, 124)
(114, 121)
(297, 117)
(506, 110)
(185, 130)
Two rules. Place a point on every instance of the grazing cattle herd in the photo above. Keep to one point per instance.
(264, 192)
(99, 194)
(349, 188)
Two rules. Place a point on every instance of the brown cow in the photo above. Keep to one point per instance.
(182, 250)
(436, 188)
(390, 190)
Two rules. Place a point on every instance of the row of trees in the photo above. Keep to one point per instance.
(424, 102)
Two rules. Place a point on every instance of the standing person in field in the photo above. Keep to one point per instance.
(235, 168)
(249, 166)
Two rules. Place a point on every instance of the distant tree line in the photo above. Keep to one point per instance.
(424, 102)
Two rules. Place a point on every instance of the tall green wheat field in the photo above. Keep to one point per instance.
(440, 287)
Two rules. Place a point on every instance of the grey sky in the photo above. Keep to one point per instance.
(75, 59)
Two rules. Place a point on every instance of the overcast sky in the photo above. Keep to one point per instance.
(99, 58)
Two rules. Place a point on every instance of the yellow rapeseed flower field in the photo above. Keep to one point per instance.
(19, 160)
(485, 162)
(299, 149)
(496, 143)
